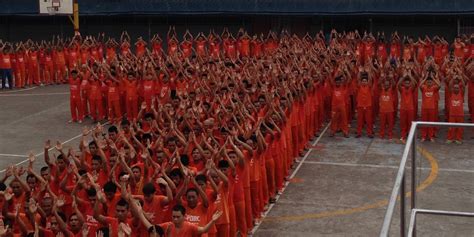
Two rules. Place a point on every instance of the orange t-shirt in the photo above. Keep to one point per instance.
(339, 96)
(197, 216)
(428, 97)
(406, 102)
(140, 49)
(154, 209)
(5, 62)
(456, 104)
(131, 88)
(221, 203)
(186, 230)
(458, 50)
(386, 101)
(201, 47)
(364, 96)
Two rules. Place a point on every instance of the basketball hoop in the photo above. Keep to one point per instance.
(54, 8)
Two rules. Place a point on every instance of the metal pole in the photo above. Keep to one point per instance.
(402, 207)
(413, 174)
(412, 227)
(401, 171)
(398, 184)
(75, 10)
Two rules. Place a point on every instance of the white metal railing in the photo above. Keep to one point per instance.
(399, 186)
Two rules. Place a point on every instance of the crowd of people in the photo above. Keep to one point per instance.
(205, 130)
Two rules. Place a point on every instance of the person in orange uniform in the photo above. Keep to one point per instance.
(338, 106)
(131, 100)
(220, 181)
(395, 46)
(386, 112)
(60, 64)
(364, 104)
(140, 47)
(256, 46)
(406, 86)
(20, 74)
(95, 94)
(149, 88)
(187, 44)
(110, 51)
(6, 66)
(33, 67)
(458, 46)
(244, 49)
(382, 49)
(201, 42)
(429, 87)
(113, 96)
(157, 46)
(48, 67)
(456, 110)
(181, 228)
(75, 97)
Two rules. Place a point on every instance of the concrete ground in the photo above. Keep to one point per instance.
(31, 116)
(341, 188)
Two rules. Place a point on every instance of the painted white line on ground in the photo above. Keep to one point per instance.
(351, 164)
(15, 91)
(36, 94)
(255, 228)
(12, 155)
(41, 153)
(9, 125)
(384, 166)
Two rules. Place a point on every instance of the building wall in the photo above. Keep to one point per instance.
(16, 28)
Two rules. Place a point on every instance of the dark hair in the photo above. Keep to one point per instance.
(179, 208)
(110, 187)
(3, 187)
(201, 177)
(149, 115)
(62, 215)
(148, 189)
(105, 231)
(192, 190)
(31, 176)
(125, 122)
(171, 139)
(137, 167)
(223, 164)
(97, 158)
(176, 172)
(91, 192)
(184, 159)
(82, 172)
(112, 128)
(157, 229)
(146, 136)
(44, 168)
(122, 202)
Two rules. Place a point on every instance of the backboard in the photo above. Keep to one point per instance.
(56, 7)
